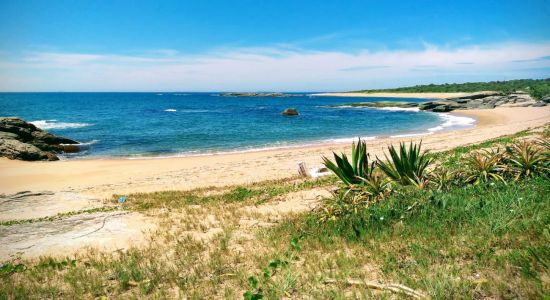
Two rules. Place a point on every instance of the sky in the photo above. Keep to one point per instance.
(268, 45)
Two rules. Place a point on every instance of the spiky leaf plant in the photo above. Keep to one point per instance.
(443, 179)
(484, 166)
(351, 173)
(526, 158)
(408, 165)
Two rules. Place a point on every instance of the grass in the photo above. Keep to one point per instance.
(484, 241)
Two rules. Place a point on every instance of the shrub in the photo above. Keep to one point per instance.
(356, 171)
(525, 158)
(408, 166)
(484, 166)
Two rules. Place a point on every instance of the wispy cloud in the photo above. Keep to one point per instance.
(269, 68)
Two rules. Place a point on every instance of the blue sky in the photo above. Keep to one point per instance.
(260, 45)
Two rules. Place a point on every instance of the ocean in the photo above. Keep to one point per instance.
(181, 124)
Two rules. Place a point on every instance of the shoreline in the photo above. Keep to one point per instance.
(104, 177)
(395, 95)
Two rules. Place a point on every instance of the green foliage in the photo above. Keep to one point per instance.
(437, 236)
(525, 158)
(263, 286)
(9, 268)
(408, 166)
(484, 166)
(535, 87)
(357, 170)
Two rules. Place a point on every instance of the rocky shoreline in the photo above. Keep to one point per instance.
(482, 100)
(24, 141)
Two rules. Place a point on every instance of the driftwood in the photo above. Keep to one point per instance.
(392, 287)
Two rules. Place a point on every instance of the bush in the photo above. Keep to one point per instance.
(408, 166)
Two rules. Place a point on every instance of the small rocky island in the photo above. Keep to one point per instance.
(482, 100)
(290, 112)
(24, 141)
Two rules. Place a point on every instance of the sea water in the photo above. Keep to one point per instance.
(182, 124)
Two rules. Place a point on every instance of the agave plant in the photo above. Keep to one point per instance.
(377, 186)
(526, 158)
(484, 166)
(357, 170)
(408, 166)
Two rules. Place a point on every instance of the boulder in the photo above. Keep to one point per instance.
(442, 108)
(545, 99)
(290, 112)
(24, 141)
(14, 149)
(539, 104)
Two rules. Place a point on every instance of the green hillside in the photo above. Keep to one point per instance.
(536, 87)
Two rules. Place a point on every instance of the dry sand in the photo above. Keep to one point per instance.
(398, 95)
(103, 177)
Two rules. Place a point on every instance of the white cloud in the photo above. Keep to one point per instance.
(275, 69)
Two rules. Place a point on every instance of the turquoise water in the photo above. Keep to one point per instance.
(168, 124)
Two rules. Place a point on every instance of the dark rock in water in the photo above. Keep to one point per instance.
(24, 141)
(290, 112)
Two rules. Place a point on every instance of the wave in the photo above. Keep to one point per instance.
(54, 124)
(170, 110)
(452, 122)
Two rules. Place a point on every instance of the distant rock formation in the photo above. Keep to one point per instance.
(290, 112)
(24, 141)
(482, 100)
(257, 95)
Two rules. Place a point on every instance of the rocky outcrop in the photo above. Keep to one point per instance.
(379, 104)
(290, 112)
(24, 141)
(483, 101)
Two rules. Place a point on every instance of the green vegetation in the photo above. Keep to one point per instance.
(536, 87)
(376, 236)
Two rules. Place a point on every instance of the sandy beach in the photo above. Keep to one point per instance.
(396, 95)
(103, 177)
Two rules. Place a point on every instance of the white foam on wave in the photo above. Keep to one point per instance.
(453, 122)
(170, 110)
(54, 124)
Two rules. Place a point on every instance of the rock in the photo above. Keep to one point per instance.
(545, 99)
(290, 112)
(442, 108)
(400, 104)
(24, 141)
(14, 149)
(539, 104)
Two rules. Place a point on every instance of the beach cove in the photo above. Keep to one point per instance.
(102, 177)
